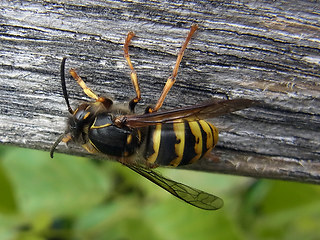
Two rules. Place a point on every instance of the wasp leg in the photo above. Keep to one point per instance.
(133, 74)
(86, 90)
(171, 80)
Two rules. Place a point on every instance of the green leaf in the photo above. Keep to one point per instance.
(282, 210)
(59, 186)
(8, 203)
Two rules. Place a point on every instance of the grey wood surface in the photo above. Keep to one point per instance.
(262, 50)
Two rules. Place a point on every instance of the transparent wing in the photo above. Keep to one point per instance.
(188, 194)
(209, 109)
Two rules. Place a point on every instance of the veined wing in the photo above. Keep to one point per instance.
(186, 193)
(209, 109)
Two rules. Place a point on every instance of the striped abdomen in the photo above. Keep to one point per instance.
(179, 143)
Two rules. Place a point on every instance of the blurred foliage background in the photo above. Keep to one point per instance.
(77, 198)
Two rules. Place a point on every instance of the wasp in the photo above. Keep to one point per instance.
(155, 138)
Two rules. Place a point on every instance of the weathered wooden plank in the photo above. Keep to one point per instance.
(268, 51)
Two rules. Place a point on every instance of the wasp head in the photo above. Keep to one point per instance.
(79, 122)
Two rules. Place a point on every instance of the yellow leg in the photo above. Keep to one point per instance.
(171, 80)
(133, 74)
(86, 90)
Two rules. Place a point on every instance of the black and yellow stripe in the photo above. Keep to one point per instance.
(179, 143)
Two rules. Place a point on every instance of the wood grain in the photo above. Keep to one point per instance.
(262, 50)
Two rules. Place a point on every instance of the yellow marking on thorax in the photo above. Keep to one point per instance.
(179, 130)
(101, 126)
(196, 131)
(156, 138)
(207, 129)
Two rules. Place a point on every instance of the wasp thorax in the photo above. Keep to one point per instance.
(112, 140)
